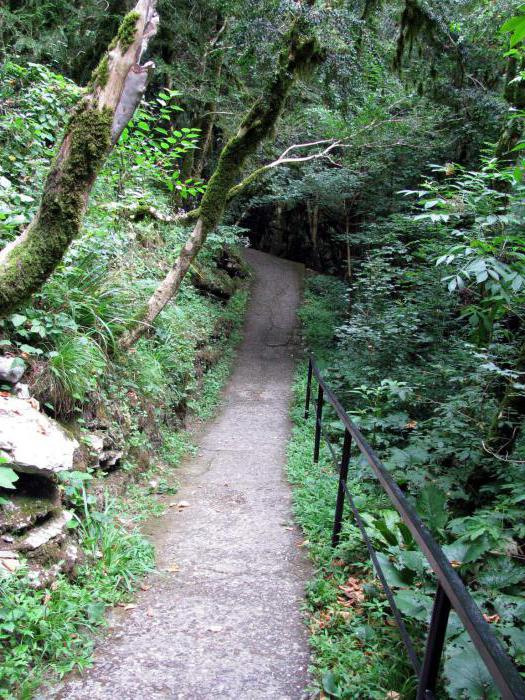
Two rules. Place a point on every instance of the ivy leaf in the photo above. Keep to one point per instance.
(330, 685)
(517, 638)
(18, 320)
(393, 576)
(95, 611)
(501, 573)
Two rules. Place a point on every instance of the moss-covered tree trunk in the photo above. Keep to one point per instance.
(300, 51)
(95, 125)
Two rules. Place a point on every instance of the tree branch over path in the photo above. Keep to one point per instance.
(95, 125)
(283, 159)
(299, 53)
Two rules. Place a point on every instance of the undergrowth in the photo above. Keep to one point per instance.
(52, 630)
(67, 337)
(357, 649)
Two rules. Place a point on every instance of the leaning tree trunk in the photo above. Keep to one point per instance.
(299, 52)
(95, 125)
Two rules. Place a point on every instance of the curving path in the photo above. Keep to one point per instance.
(228, 623)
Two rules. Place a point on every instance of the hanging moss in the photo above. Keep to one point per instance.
(128, 30)
(60, 214)
(416, 21)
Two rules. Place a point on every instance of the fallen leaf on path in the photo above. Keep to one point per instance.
(145, 587)
(127, 606)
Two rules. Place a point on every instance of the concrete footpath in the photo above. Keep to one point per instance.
(222, 618)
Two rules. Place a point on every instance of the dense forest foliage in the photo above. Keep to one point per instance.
(378, 143)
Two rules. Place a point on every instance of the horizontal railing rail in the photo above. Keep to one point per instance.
(451, 592)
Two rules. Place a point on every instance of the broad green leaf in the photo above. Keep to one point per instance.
(467, 675)
(415, 604)
(393, 576)
(432, 507)
(18, 320)
(8, 477)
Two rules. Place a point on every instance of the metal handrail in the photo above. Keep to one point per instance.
(451, 591)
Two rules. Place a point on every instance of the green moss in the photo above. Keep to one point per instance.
(60, 214)
(300, 53)
(127, 30)
(100, 75)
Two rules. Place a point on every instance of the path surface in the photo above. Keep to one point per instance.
(228, 623)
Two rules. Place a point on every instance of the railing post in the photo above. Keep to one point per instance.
(308, 390)
(434, 649)
(318, 423)
(343, 476)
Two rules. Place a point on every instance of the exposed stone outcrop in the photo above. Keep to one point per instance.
(11, 369)
(31, 442)
(43, 534)
(22, 512)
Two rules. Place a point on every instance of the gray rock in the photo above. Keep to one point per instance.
(32, 442)
(11, 369)
(22, 391)
(21, 512)
(102, 449)
(43, 534)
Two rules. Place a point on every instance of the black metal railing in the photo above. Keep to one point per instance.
(451, 592)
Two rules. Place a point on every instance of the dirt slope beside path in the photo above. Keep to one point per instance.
(228, 623)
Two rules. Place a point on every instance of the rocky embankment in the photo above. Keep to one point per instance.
(33, 521)
(35, 516)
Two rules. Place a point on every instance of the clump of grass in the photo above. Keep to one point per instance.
(52, 629)
(75, 366)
